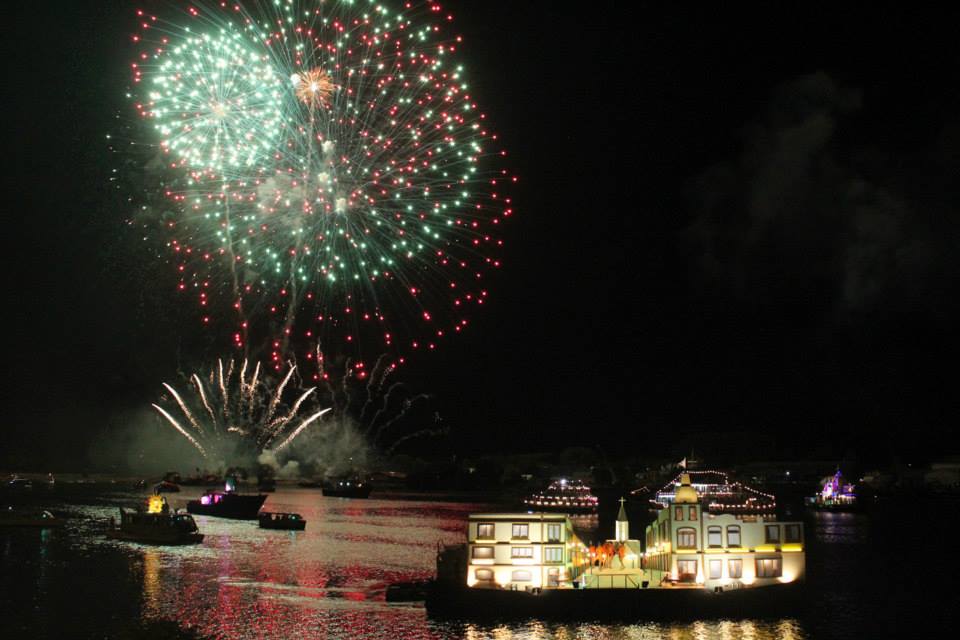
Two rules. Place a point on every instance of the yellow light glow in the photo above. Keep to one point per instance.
(792, 547)
(155, 504)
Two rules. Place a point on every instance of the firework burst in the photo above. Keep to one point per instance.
(337, 180)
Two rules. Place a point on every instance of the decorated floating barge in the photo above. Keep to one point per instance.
(694, 561)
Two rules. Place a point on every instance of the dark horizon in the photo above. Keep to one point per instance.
(728, 222)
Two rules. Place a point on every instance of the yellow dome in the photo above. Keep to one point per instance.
(685, 493)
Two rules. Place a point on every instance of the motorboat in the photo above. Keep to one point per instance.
(157, 525)
(276, 520)
(227, 503)
(347, 486)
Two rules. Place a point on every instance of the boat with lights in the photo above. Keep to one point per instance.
(347, 486)
(157, 525)
(228, 503)
(563, 496)
(718, 493)
(835, 495)
(286, 521)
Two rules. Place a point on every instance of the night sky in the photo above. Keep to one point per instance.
(729, 221)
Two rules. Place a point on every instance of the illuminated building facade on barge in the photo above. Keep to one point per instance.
(718, 494)
(699, 541)
(522, 551)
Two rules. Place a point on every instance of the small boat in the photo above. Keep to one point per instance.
(288, 521)
(228, 503)
(158, 525)
(349, 486)
(836, 495)
(18, 483)
(41, 519)
(165, 486)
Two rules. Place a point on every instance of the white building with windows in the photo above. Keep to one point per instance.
(689, 545)
(522, 551)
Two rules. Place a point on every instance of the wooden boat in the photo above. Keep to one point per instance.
(287, 521)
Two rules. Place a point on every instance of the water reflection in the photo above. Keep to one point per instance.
(243, 582)
(719, 630)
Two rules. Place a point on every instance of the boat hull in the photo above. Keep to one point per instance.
(154, 538)
(231, 505)
(333, 491)
(442, 601)
(292, 526)
(39, 523)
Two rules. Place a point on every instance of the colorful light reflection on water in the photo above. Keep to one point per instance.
(330, 580)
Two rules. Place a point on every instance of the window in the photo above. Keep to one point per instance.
(553, 554)
(773, 533)
(678, 513)
(484, 575)
(769, 568)
(485, 530)
(521, 531)
(791, 532)
(687, 570)
(692, 513)
(483, 553)
(554, 533)
(553, 577)
(715, 537)
(735, 568)
(521, 552)
(521, 576)
(716, 569)
(733, 535)
(686, 538)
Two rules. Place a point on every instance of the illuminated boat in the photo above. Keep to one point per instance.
(348, 486)
(156, 525)
(287, 521)
(227, 503)
(563, 496)
(718, 493)
(836, 495)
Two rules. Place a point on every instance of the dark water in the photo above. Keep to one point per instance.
(884, 574)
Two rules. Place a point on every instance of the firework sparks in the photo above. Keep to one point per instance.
(333, 175)
(314, 87)
(247, 413)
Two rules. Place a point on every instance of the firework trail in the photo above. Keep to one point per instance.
(245, 407)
